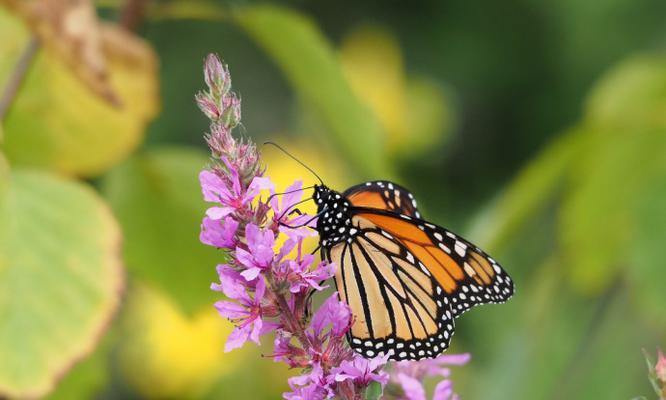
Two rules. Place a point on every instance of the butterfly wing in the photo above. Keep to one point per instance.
(383, 195)
(398, 308)
(467, 275)
(406, 280)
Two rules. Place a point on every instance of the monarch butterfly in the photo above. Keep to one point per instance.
(404, 278)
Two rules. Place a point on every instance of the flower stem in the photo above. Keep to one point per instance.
(294, 325)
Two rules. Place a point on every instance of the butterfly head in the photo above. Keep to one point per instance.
(334, 222)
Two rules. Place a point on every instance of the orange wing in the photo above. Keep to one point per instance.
(466, 274)
(383, 195)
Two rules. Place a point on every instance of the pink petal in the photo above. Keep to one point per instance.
(231, 283)
(293, 195)
(443, 390)
(217, 213)
(454, 359)
(236, 339)
(413, 389)
(231, 310)
(212, 186)
(244, 257)
(256, 330)
(260, 289)
(251, 274)
(258, 183)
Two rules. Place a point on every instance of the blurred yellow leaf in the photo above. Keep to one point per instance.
(57, 123)
(430, 115)
(70, 30)
(372, 62)
(165, 354)
(413, 112)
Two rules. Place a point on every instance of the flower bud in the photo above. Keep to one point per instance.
(214, 73)
(231, 115)
(208, 106)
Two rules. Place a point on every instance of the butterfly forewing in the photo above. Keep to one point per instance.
(383, 195)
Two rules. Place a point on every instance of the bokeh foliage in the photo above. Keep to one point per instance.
(538, 130)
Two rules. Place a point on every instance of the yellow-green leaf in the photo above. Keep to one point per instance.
(60, 279)
(157, 199)
(56, 122)
(598, 214)
(631, 95)
(307, 59)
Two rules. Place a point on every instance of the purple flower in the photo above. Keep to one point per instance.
(229, 194)
(302, 278)
(412, 388)
(260, 255)
(444, 391)
(292, 195)
(245, 311)
(308, 392)
(334, 313)
(312, 385)
(409, 374)
(288, 224)
(219, 234)
(362, 371)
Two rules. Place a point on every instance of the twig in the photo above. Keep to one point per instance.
(17, 76)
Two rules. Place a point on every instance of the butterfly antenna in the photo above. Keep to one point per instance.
(295, 159)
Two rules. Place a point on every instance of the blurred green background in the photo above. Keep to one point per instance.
(535, 129)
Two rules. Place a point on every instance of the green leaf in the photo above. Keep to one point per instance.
(631, 95)
(60, 279)
(373, 391)
(598, 220)
(157, 199)
(530, 192)
(311, 66)
(57, 122)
